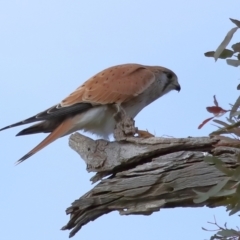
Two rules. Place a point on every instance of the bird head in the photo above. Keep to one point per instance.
(168, 81)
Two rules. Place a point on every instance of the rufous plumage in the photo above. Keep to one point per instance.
(91, 107)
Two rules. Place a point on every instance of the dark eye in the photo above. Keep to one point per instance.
(169, 75)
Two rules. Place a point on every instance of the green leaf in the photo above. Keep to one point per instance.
(229, 129)
(228, 172)
(235, 209)
(236, 175)
(227, 233)
(238, 190)
(220, 131)
(210, 159)
(209, 54)
(233, 62)
(212, 192)
(226, 53)
(214, 237)
(215, 189)
(219, 165)
(202, 197)
(235, 114)
(235, 21)
(236, 47)
(232, 121)
(224, 43)
(237, 124)
(235, 107)
(226, 193)
(199, 193)
(221, 122)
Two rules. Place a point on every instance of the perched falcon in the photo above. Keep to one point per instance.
(92, 106)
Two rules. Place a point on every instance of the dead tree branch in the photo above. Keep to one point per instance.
(145, 175)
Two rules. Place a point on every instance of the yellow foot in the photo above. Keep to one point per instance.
(144, 134)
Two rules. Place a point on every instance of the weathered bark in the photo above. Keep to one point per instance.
(146, 175)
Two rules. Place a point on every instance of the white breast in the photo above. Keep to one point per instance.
(100, 121)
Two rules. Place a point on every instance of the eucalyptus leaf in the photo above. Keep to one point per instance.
(236, 175)
(227, 232)
(228, 172)
(235, 209)
(234, 109)
(235, 114)
(236, 47)
(199, 193)
(232, 121)
(210, 159)
(224, 43)
(201, 199)
(215, 189)
(233, 62)
(221, 122)
(238, 190)
(226, 193)
(226, 53)
(235, 21)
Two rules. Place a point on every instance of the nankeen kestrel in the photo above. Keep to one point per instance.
(92, 106)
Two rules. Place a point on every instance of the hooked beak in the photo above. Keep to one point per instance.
(177, 87)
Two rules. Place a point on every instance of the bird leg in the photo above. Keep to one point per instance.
(125, 126)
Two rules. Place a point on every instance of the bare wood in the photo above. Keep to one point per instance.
(145, 175)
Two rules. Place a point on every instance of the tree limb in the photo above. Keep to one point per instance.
(146, 175)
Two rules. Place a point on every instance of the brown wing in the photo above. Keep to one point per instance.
(116, 84)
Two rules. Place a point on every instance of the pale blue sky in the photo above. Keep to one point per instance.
(48, 48)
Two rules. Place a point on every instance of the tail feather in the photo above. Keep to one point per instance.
(26, 121)
(43, 127)
(30, 130)
(62, 129)
(55, 112)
